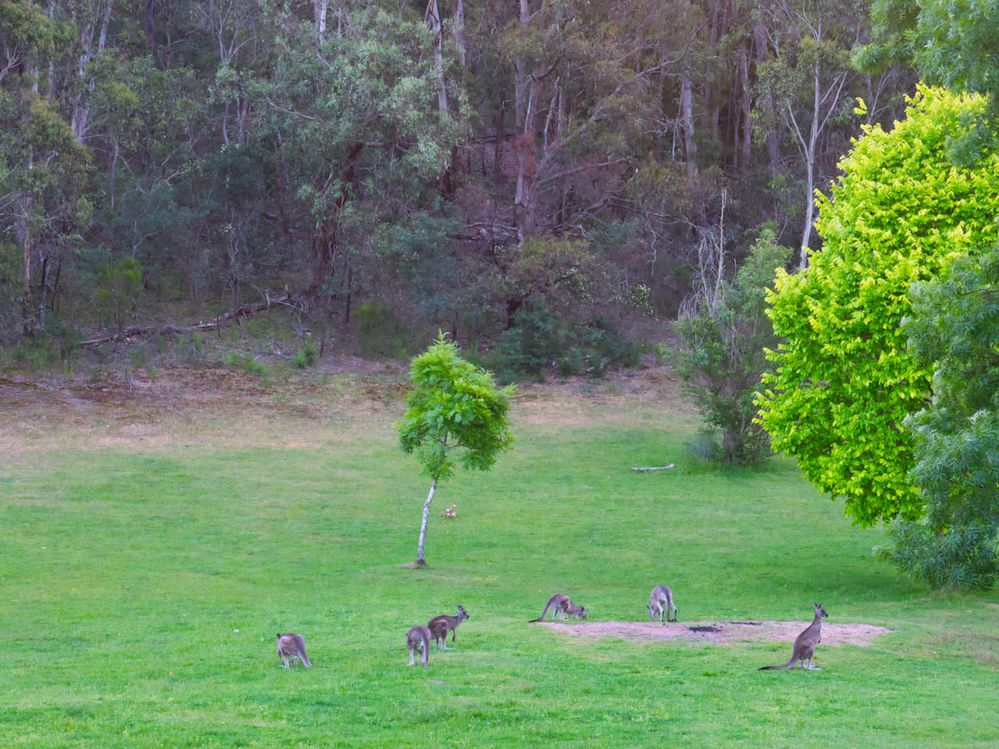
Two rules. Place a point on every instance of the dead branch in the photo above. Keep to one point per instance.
(646, 469)
(216, 323)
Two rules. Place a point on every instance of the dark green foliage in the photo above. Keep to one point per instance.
(722, 356)
(954, 328)
(541, 342)
(379, 332)
(118, 290)
(953, 43)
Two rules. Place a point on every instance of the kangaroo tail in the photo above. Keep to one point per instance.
(305, 660)
(540, 618)
(777, 668)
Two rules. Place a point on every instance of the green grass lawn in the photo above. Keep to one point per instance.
(143, 586)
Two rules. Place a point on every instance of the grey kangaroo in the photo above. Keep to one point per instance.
(661, 594)
(561, 606)
(290, 645)
(804, 644)
(418, 641)
(439, 626)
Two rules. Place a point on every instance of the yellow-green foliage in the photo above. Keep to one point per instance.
(844, 381)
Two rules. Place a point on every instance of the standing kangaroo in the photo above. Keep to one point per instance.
(661, 594)
(292, 646)
(561, 606)
(418, 641)
(804, 644)
(439, 626)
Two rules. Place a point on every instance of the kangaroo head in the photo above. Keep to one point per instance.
(462, 614)
(582, 612)
(652, 611)
(819, 611)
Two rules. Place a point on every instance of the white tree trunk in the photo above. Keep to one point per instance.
(432, 17)
(687, 120)
(420, 559)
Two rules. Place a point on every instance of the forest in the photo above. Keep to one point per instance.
(542, 179)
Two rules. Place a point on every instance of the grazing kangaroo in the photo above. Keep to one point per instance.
(418, 641)
(439, 626)
(804, 644)
(561, 606)
(292, 646)
(661, 594)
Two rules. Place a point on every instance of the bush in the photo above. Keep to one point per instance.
(118, 290)
(246, 363)
(378, 331)
(540, 343)
(306, 357)
(721, 357)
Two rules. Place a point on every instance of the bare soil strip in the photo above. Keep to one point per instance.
(720, 633)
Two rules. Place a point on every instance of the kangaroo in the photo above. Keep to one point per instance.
(292, 646)
(439, 626)
(418, 641)
(804, 644)
(561, 607)
(661, 594)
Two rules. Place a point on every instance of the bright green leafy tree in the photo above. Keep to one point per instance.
(845, 381)
(455, 415)
(954, 329)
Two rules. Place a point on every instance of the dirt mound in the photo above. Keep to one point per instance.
(720, 633)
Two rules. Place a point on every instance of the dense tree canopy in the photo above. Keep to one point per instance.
(845, 380)
(492, 169)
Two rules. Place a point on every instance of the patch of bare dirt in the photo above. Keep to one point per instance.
(720, 633)
(222, 406)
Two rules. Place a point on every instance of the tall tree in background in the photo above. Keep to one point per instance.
(357, 131)
(42, 198)
(724, 336)
(806, 80)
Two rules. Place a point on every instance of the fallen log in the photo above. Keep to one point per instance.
(646, 469)
(215, 323)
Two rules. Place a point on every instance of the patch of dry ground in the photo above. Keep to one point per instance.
(218, 406)
(719, 633)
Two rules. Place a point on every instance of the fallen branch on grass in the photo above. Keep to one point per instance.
(646, 469)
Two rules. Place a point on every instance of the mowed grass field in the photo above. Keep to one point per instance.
(148, 559)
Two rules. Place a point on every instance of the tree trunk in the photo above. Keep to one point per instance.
(320, 8)
(806, 234)
(421, 560)
(745, 138)
(459, 32)
(80, 119)
(762, 53)
(810, 147)
(327, 237)
(687, 119)
(432, 17)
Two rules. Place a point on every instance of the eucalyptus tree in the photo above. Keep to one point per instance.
(43, 169)
(354, 122)
(807, 79)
